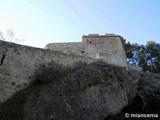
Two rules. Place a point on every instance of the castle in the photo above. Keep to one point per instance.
(107, 48)
(18, 62)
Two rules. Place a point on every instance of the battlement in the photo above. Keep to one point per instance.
(93, 35)
(97, 35)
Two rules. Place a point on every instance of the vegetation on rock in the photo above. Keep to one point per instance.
(146, 56)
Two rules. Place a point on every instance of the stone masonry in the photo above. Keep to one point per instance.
(107, 48)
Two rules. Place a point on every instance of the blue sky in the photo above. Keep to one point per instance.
(45, 21)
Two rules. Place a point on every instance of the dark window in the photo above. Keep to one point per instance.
(90, 42)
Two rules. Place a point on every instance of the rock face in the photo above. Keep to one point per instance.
(90, 93)
(19, 62)
(147, 100)
(149, 91)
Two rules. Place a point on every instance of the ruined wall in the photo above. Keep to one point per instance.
(107, 47)
(69, 48)
(19, 63)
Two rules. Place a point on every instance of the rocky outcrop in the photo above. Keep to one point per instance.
(90, 93)
(95, 91)
(149, 91)
(147, 100)
(18, 63)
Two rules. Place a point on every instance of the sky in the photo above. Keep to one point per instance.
(40, 22)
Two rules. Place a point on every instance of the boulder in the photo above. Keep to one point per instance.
(149, 91)
(91, 93)
(147, 100)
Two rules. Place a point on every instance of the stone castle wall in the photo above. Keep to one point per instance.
(19, 63)
(69, 48)
(107, 48)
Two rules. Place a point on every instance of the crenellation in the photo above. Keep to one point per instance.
(93, 35)
(101, 36)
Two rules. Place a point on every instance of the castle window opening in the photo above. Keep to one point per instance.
(90, 42)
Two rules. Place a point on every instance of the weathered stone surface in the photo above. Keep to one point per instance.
(107, 48)
(21, 61)
(69, 48)
(91, 93)
(149, 89)
(18, 62)
(147, 100)
(134, 67)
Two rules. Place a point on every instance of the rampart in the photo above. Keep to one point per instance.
(18, 64)
(69, 48)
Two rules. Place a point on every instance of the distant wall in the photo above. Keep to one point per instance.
(69, 48)
(19, 63)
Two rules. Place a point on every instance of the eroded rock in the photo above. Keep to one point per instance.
(93, 92)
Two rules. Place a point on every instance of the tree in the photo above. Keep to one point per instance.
(147, 56)
(10, 36)
(1, 36)
(153, 49)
